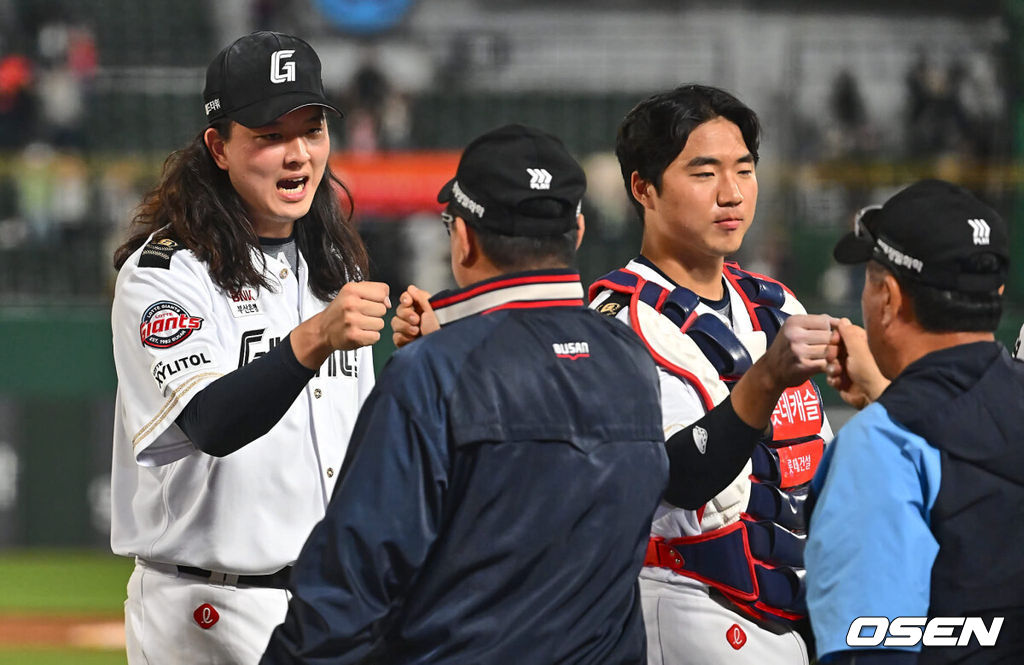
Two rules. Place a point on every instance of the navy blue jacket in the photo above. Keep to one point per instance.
(497, 495)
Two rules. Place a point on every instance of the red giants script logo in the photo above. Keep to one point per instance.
(205, 615)
(165, 324)
(736, 637)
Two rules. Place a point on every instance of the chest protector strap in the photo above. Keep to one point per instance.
(753, 563)
(756, 561)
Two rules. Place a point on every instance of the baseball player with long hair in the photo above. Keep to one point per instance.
(241, 328)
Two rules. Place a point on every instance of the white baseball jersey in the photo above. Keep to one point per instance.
(175, 332)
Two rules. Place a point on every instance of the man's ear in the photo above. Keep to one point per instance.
(581, 226)
(465, 246)
(641, 189)
(215, 143)
(894, 304)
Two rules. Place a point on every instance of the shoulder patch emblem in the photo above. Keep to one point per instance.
(166, 323)
(157, 254)
(613, 304)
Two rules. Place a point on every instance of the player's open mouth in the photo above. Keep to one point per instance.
(292, 187)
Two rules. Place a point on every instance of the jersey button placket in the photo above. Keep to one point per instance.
(330, 472)
(317, 393)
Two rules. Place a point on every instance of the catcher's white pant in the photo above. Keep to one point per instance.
(686, 626)
(163, 613)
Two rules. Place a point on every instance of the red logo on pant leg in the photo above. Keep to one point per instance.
(736, 637)
(205, 615)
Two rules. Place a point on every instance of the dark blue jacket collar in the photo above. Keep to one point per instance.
(957, 398)
(534, 288)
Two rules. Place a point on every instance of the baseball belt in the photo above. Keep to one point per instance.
(275, 580)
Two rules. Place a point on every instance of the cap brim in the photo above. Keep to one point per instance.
(267, 111)
(445, 195)
(851, 250)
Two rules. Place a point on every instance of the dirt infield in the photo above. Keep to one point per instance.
(27, 630)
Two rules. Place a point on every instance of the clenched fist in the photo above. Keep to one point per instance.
(414, 317)
(353, 319)
(801, 349)
(852, 369)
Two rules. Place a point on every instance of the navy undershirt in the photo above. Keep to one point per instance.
(702, 465)
(245, 404)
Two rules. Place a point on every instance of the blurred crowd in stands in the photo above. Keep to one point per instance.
(44, 89)
(62, 185)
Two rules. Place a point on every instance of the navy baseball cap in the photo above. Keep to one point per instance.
(517, 181)
(261, 77)
(931, 233)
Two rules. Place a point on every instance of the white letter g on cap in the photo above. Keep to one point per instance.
(282, 72)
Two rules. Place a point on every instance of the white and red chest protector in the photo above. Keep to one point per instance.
(747, 541)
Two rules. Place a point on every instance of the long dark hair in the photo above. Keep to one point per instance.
(196, 205)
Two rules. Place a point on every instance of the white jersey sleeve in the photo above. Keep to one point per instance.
(166, 349)
(366, 373)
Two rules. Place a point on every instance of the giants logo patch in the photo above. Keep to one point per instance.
(166, 323)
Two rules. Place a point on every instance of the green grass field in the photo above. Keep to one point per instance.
(62, 582)
(60, 657)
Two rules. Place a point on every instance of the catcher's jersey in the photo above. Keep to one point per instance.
(682, 406)
(174, 332)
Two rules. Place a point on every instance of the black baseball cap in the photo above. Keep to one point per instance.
(261, 77)
(517, 181)
(931, 233)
